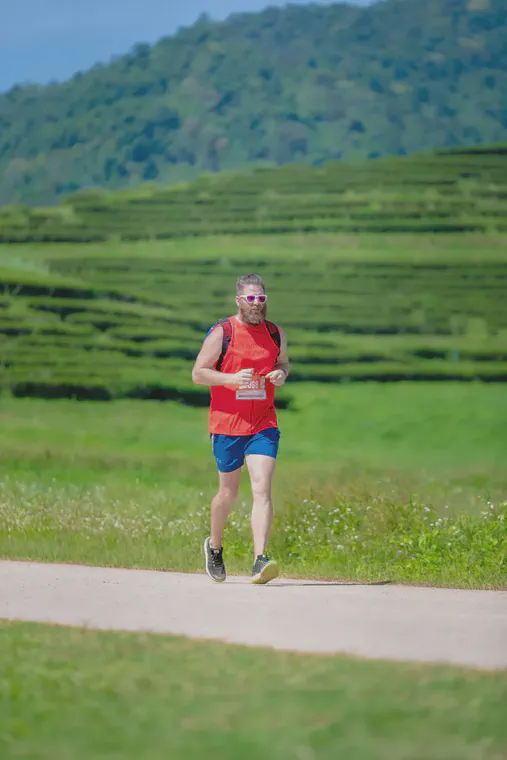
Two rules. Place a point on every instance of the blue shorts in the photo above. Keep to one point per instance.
(230, 450)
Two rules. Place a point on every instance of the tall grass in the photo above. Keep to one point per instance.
(401, 483)
(344, 538)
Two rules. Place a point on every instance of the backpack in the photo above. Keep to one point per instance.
(227, 328)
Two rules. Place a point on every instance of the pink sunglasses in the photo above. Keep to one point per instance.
(252, 299)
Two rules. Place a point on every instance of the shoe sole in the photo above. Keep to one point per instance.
(268, 573)
(215, 580)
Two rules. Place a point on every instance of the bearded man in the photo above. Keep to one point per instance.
(243, 359)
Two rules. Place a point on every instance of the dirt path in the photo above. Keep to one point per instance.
(380, 621)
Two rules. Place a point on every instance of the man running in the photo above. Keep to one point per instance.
(242, 360)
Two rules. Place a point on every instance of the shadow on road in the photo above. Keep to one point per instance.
(295, 584)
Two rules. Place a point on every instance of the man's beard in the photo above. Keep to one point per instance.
(252, 316)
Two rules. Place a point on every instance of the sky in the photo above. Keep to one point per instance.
(50, 40)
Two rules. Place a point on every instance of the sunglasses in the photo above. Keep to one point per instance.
(252, 299)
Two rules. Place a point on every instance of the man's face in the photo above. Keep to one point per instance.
(251, 313)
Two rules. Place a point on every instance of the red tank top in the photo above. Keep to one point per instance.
(246, 410)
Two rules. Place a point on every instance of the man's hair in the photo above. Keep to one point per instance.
(248, 279)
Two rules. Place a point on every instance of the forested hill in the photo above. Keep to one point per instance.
(302, 83)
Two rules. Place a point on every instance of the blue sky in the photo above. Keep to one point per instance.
(44, 40)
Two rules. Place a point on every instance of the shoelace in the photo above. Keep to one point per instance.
(216, 557)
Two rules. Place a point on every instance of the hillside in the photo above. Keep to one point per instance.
(103, 321)
(438, 192)
(304, 84)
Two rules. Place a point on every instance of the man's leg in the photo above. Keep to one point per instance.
(222, 505)
(261, 469)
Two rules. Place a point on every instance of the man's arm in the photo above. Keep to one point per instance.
(203, 372)
(281, 369)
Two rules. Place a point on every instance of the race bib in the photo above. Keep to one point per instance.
(254, 390)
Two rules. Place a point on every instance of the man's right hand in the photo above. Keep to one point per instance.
(243, 377)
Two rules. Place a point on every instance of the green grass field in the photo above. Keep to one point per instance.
(392, 459)
(386, 479)
(72, 695)
(393, 421)
(396, 481)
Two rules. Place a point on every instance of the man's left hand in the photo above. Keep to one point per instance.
(277, 377)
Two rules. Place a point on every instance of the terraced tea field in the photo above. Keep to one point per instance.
(102, 321)
(453, 191)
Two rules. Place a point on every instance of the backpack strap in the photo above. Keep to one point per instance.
(275, 333)
(226, 339)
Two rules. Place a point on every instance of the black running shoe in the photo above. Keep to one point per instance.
(264, 570)
(214, 563)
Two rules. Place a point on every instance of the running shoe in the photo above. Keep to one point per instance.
(214, 563)
(264, 570)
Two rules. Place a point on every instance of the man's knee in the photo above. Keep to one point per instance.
(228, 494)
(261, 488)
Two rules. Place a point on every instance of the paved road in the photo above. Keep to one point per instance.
(379, 621)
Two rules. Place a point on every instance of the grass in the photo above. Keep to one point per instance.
(376, 479)
(384, 540)
(402, 482)
(70, 694)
